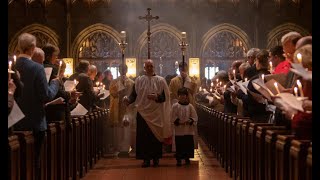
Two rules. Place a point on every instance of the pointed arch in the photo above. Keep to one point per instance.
(225, 27)
(43, 33)
(274, 36)
(161, 27)
(85, 33)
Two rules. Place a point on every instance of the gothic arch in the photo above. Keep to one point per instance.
(95, 28)
(165, 47)
(274, 36)
(225, 27)
(161, 27)
(43, 33)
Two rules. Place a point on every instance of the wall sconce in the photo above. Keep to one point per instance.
(132, 67)
(194, 67)
(69, 66)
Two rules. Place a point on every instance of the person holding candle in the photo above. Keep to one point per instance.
(51, 53)
(279, 62)
(35, 93)
(257, 111)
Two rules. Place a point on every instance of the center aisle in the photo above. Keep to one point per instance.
(203, 167)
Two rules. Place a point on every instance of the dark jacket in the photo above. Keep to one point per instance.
(36, 92)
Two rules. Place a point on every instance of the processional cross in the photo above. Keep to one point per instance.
(148, 17)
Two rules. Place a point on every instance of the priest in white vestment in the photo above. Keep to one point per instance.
(152, 99)
(120, 114)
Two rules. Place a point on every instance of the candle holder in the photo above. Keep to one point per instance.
(123, 44)
(183, 46)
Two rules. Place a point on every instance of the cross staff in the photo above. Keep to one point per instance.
(148, 17)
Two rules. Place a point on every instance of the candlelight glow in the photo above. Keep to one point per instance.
(299, 57)
(69, 66)
(194, 67)
(132, 67)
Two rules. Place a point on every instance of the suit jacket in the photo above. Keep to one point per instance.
(35, 93)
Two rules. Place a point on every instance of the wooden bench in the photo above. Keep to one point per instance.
(26, 142)
(76, 148)
(298, 159)
(61, 149)
(309, 164)
(14, 157)
(283, 144)
(52, 152)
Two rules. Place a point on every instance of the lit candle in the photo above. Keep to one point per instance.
(103, 86)
(97, 84)
(234, 74)
(210, 89)
(75, 82)
(300, 88)
(220, 83)
(276, 85)
(10, 64)
(60, 63)
(299, 57)
(183, 36)
(262, 77)
(225, 87)
(176, 64)
(14, 59)
(123, 36)
(245, 79)
(217, 80)
(295, 89)
(204, 89)
(211, 84)
(270, 63)
(200, 89)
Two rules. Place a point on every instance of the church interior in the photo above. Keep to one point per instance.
(214, 38)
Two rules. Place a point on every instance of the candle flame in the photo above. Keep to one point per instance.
(299, 57)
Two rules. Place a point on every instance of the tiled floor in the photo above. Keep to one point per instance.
(203, 167)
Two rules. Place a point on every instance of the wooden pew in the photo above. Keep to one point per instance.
(44, 158)
(87, 141)
(245, 150)
(82, 151)
(14, 157)
(91, 137)
(26, 142)
(309, 164)
(298, 158)
(52, 152)
(69, 150)
(76, 148)
(283, 144)
(270, 151)
(61, 150)
(260, 149)
(252, 167)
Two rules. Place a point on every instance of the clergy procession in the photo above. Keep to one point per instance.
(242, 110)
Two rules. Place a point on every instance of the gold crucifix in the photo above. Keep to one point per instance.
(148, 17)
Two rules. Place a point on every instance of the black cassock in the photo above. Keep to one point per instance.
(147, 145)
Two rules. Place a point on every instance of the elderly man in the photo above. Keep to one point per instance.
(35, 94)
(152, 98)
(38, 55)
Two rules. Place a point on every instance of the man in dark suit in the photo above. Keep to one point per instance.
(35, 94)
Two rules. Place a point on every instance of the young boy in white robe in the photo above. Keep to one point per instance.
(185, 118)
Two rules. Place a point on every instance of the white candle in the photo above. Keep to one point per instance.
(217, 80)
(270, 63)
(234, 74)
(14, 59)
(220, 83)
(103, 86)
(200, 89)
(276, 85)
(60, 63)
(183, 36)
(300, 88)
(210, 89)
(295, 89)
(10, 64)
(299, 57)
(262, 77)
(245, 79)
(225, 87)
(211, 84)
(97, 84)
